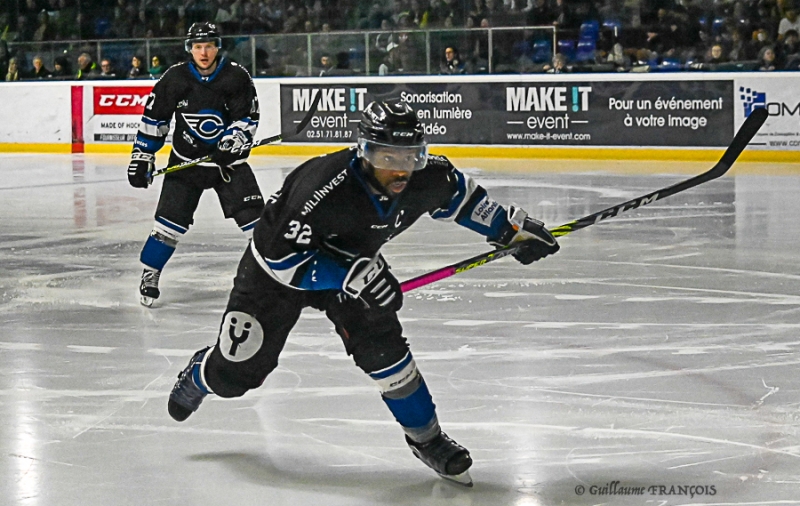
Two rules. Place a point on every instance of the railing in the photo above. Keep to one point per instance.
(367, 53)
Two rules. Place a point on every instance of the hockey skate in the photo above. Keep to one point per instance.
(148, 289)
(449, 459)
(188, 392)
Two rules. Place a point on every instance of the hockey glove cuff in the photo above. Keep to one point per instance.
(141, 168)
(520, 227)
(233, 146)
(372, 282)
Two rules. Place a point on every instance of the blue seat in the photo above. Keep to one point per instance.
(612, 24)
(585, 51)
(542, 51)
(567, 48)
(590, 30)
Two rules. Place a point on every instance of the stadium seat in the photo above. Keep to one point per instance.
(585, 51)
(590, 30)
(542, 51)
(567, 48)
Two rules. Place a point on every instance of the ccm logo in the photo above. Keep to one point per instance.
(120, 100)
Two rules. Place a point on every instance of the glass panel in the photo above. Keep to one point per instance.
(239, 49)
(163, 53)
(344, 53)
(121, 53)
(472, 47)
(282, 55)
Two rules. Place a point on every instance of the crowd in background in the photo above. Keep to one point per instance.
(608, 34)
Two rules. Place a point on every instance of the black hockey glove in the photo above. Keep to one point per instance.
(234, 145)
(372, 282)
(539, 241)
(140, 169)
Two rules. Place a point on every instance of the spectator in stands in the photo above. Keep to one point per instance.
(740, 49)
(760, 40)
(24, 29)
(326, 64)
(342, 67)
(618, 57)
(13, 73)
(788, 50)
(39, 70)
(766, 59)
(558, 66)
(45, 30)
(452, 63)
(540, 14)
(68, 23)
(404, 54)
(107, 70)
(157, 67)
(136, 71)
(789, 22)
(715, 55)
(87, 68)
(61, 68)
(564, 18)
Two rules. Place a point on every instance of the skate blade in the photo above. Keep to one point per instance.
(462, 479)
(146, 301)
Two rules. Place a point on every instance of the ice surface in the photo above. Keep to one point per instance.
(657, 348)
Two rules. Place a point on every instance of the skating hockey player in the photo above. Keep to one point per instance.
(216, 113)
(318, 245)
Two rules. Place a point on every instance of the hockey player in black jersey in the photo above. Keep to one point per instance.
(318, 245)
(216, 114)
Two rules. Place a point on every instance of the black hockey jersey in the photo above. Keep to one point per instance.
(326, 216)
(204, 108)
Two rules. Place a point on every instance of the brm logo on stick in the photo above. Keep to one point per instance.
(121, 99)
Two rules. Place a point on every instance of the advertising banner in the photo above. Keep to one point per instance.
(779, 95)
(115, 113)
(611, 113)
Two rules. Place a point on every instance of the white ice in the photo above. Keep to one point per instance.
(659, 348)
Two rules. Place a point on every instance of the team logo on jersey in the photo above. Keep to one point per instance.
(241, 336)
(206, 125)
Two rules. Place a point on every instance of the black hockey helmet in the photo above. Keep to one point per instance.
(391, 137)
(202, 31)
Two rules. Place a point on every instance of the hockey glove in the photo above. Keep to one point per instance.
(372, 282)
(539, 241)
(140, 169)
(234, 145)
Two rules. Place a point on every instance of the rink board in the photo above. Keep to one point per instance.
(686, 116)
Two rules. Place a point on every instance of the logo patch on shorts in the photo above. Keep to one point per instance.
(241, 336)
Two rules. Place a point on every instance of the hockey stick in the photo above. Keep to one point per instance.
(740, 141)
(261, 142)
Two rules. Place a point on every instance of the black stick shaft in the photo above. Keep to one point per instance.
(743, 137)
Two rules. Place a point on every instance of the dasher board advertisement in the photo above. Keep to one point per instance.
(612, 113)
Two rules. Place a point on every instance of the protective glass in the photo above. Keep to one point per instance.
(392, 157)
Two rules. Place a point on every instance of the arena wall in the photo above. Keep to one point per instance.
(674, 116)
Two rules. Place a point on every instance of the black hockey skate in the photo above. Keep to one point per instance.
(187, 394)
(449, 459)
(148, 289)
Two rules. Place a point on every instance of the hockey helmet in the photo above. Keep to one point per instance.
(391, 137)
(202, 32)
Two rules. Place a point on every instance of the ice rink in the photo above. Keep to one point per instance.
(657, 354)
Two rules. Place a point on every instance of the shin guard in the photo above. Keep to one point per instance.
(161, 244)
(405, 393)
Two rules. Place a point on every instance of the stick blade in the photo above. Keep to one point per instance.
(743, 137)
